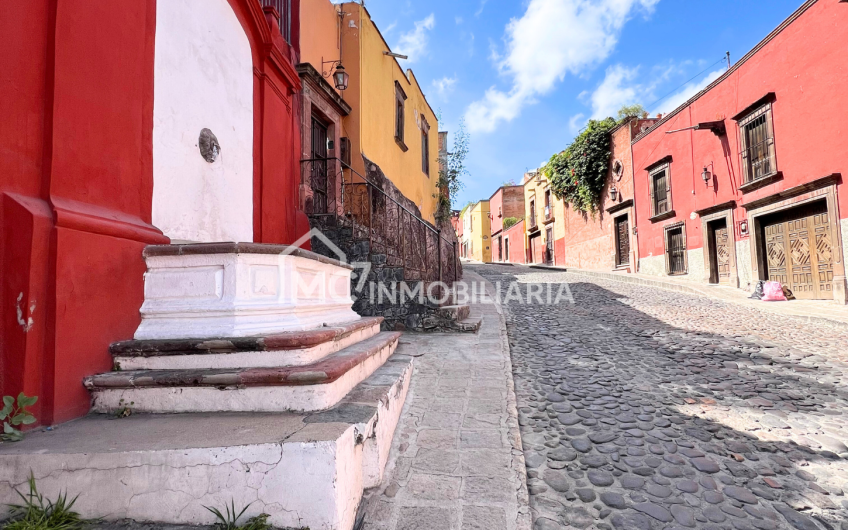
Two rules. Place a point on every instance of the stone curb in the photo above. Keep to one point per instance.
(659, 284)
(524, 520)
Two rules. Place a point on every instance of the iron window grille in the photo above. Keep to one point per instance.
(283, 8)
(660, 190)
(532, 214)
(756, 139)
(400, 103)
(425, 147)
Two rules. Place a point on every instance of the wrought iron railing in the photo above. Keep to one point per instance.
(391, 229)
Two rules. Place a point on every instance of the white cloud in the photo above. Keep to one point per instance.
(553, 38)
(482, 6)
(414, 42)
(575, 123)
(620, 87)
(458, 20)
(615, 90)
(682, 96)
(444, 85)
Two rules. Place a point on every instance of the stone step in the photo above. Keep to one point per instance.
(470, 325)
(303, 469)
(457, 313)
(294, 348)
(311, 387)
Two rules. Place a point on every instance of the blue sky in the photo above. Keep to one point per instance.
(526, 75)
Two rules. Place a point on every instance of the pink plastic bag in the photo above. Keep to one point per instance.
(773, 292)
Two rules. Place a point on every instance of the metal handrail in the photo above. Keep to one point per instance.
(370, 186)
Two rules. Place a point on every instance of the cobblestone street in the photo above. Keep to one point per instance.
(647, 409)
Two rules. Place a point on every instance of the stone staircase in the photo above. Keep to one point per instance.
(298, 419)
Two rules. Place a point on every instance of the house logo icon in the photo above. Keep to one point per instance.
(361, 268)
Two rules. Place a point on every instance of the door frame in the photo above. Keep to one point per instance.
(799, 195)
(706, 219)
(666, 229)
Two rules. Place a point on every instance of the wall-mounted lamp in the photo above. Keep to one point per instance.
(613, 193)
(706, 175)
(340, 77)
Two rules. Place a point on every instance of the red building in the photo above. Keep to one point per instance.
(115, 136)
(514, 243)
(745, 181)
(507, 202)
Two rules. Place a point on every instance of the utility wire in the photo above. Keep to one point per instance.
(687, 82)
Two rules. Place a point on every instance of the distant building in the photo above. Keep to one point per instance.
(507, 202)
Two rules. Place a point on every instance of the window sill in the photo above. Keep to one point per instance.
(677, 273)
(534, 228)
(761, 182)
(402, 145)
(665, 215)
(548, 221)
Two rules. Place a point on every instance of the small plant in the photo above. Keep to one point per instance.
(14, 413)
(125, 409)
(229, 521)
(509, 222)
(37, 514)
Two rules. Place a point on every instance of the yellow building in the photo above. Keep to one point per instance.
(391, 122)
(477, 232)
(542, 210)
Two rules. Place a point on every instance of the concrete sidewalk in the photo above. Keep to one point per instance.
(456, 461)
(822, 311)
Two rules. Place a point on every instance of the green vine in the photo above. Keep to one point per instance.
(578, 174)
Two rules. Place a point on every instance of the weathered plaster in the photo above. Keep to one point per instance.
(203, 78)
(743, 264)
(653, 265)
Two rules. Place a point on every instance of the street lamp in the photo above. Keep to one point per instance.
(706, 176)
(340, 77)
(613, 193)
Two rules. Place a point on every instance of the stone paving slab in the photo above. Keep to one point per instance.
(649, 409)
(457, 462)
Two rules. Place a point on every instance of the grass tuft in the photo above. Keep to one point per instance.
(229, 520)
(36, 513)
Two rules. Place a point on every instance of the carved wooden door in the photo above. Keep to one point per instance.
(721, 252)
(622, 241)
(799, 251)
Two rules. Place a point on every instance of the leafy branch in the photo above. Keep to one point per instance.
(452, 171)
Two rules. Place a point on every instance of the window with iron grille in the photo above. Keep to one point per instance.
(756, 139)
(283, 7)
(660, 182)
(425, 147)
(532, 214)
(400, 103)
(547, 204)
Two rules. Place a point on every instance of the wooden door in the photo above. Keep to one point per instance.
(799, 251)
(622, 241)
(676, 251)
(549, 246)
(536, 249)
(719, 248)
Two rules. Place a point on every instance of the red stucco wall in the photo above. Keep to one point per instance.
(805, 66)
(76, 183)
(515, 233)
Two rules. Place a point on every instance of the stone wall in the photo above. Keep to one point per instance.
(391, 288)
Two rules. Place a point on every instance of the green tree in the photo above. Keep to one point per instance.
(452, 171)
(578, 174)
(628, 111)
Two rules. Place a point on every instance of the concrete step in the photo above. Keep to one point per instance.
(294, 348)
(470, 325)
(303, 469)
(311, 387)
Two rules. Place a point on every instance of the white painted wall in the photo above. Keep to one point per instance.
(203, 78)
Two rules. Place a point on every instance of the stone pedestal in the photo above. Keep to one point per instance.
(240, 290)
